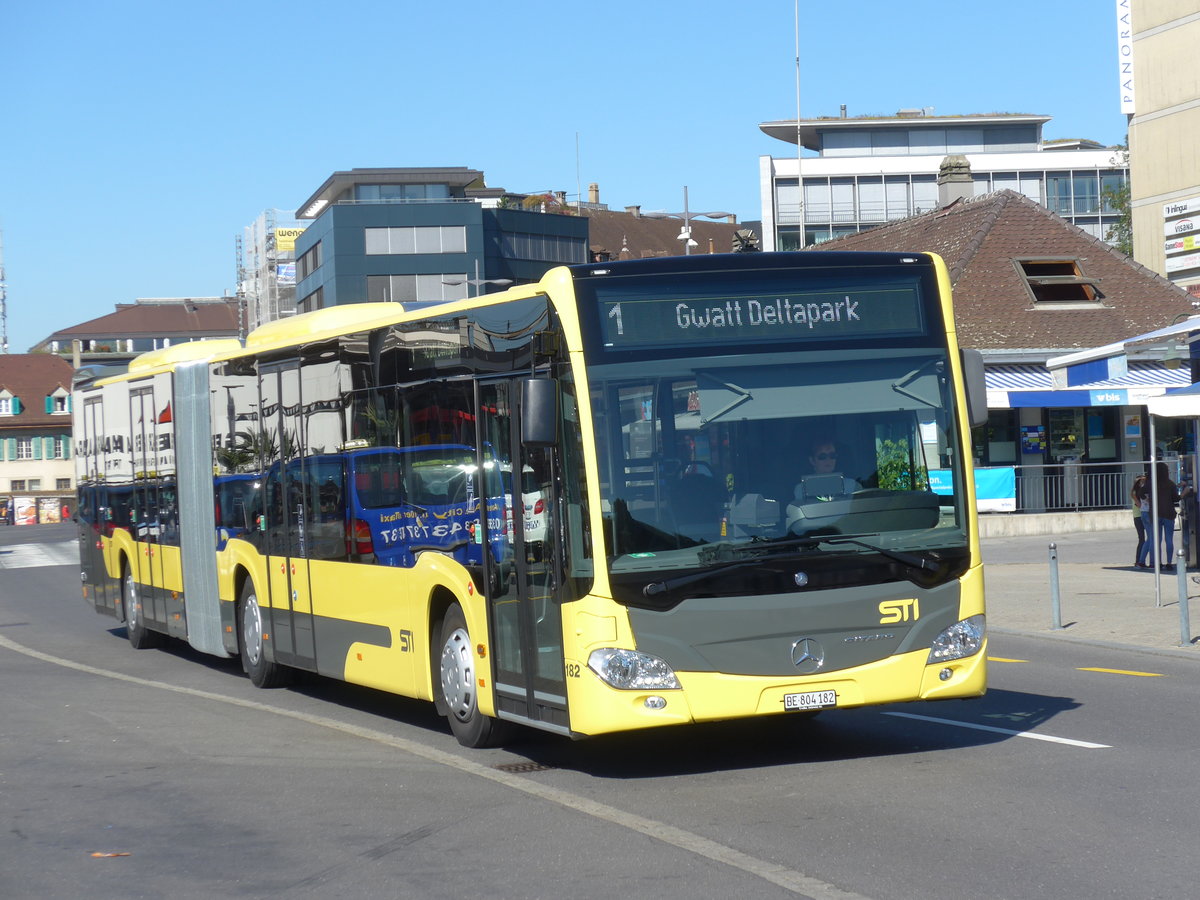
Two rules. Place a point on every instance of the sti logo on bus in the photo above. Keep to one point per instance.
(893, 611)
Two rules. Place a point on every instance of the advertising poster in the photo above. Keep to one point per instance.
(49, 510)
(26, 511)
(995, 488)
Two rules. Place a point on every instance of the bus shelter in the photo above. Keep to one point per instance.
(1180, 404)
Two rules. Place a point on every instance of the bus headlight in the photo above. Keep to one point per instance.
(629, 670)
(959, 640)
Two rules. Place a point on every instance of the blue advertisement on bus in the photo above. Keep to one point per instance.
(409, 499)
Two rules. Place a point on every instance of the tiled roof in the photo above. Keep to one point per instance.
(980, 239)
(32, 377)
(181, 318)
(643, 236)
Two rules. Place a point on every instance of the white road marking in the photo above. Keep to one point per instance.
(788, 879)
(27, 556)
(1087, 745)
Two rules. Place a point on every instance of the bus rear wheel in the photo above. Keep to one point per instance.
(457, 685)
(263, 673)
(140, 637)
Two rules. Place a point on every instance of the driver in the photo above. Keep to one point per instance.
(823, 459)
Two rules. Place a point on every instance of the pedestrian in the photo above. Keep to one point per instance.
(1164, 534)
(1139, 525)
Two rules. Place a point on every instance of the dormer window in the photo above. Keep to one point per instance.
(1058, 282)
(59, 402)
(9, 405)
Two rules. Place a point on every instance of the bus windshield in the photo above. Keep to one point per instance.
(797, 450)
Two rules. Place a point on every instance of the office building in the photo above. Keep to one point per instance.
(426, 235)
(875, 169)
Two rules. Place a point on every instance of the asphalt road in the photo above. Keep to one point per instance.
(1076, 776)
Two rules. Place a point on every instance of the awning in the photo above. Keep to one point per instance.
(1028, 385)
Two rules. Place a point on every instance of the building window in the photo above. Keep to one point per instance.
(309, 262)
(313, 301)
(1087, 193)
(1058, 192)
(416, 288)
(35, 484)
(543, 247)
(24, 448)
(391, 193)
(6, 406)
(62, 484)
(415, 239)
(60, 447)
(1057, 281)
(18, 484)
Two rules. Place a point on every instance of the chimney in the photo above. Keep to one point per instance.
(954, 181)
(634, 210)
(594, 193)
(843, 110)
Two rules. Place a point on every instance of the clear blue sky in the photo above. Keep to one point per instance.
(137, 139)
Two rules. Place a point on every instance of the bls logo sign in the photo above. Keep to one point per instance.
(406, 637)
(893, 611)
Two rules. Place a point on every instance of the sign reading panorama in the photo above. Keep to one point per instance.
(739, 319)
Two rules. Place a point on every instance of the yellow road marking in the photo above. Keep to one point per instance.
(1002, 659)
(1122, 672)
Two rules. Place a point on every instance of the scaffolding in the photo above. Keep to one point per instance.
(266, 268)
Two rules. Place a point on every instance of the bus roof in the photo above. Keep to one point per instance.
(171, 356)
(323, 323)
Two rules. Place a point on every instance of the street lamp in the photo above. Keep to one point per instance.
(477, 281)
(685, 233)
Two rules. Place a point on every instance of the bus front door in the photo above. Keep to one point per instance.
(524, 590)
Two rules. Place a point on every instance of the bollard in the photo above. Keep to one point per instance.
(1185, 625)
(1055, 608)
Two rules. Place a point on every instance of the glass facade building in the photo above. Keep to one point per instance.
(875, 170)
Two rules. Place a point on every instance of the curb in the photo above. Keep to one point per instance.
(1172, 652)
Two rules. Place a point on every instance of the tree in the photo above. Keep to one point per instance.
(1120, 233)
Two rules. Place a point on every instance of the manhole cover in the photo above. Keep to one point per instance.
(520, 768)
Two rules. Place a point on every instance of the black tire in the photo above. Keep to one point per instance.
(140, 637)
(456, 685)
(263, 673)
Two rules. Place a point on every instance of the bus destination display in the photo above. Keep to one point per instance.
(800, 315)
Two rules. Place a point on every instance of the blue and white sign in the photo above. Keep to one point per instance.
(995, 488)
(1110, 397)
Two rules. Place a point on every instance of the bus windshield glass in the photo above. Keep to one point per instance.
(699, 453)
(797, 413)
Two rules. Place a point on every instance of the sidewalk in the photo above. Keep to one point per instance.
(1102, 597)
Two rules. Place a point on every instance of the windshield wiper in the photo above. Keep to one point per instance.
(909, 559)
(670, 584)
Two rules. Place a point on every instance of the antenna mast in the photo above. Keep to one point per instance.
(3, 301)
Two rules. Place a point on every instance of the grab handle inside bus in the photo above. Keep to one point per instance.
(539, 412)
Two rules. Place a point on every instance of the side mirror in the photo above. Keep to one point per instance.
(539, 412)
(973, 381)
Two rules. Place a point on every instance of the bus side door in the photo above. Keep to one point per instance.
(525, 593)
(290, 615)
(92, 512)
(144, 525)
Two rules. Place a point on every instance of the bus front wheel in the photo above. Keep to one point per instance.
(457, 685)
(264, 673)
(140, 637)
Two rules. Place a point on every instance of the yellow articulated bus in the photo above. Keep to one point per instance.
(629, 495)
